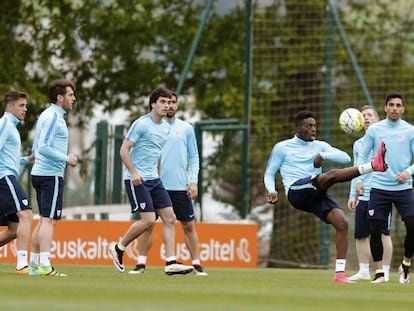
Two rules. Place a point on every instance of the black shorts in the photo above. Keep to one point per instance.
(49, 195)
(362, 229)
(305, 195)
(381, 202)
(13, 199)
(182, 205)
(148, 196)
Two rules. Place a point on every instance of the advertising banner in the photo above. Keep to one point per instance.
(87, 241)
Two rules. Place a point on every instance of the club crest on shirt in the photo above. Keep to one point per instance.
(25, 202)
(142, 205)
(177, 133)
(400, 137)
(371, 212)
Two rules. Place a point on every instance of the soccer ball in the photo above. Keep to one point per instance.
(351, 120)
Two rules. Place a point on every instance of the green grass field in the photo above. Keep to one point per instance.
(102, 288)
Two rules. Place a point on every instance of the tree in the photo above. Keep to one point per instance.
(15, 53)
(118, 51)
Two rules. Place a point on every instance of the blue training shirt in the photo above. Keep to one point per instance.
(294, 158)
(51, 143)
(149, 138)
(179, 159)
(9, 145)
(399, 141)
(365, 179)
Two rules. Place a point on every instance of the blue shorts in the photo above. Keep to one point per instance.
(182, 205)
(148, 196)
(381, 201)
(49, 195)
(305, 195)
(13, 199)
(362, 229)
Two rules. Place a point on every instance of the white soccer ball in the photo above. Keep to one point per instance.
(351, 120)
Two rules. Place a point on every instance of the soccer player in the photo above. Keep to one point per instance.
(393, 186)
(299, 160)
(51, 152)
(179, 155)
(140, 153)
(358, 203)
(15, 210)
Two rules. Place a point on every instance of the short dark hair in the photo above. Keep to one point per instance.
(12, 96)
(158, 92)
(394, 94)
(302, 115)
(58, 87)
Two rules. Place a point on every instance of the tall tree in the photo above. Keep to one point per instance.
(117, 51)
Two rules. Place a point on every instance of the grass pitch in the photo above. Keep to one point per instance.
(102, 288)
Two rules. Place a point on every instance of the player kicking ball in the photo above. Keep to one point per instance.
(299, 160)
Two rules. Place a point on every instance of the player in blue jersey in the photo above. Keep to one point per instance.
(358, 203)
(140, 153)
(393, 186)
(15, 210)
(299, 160)
(51, 151)
(179, 175)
